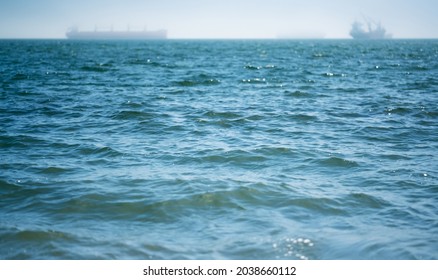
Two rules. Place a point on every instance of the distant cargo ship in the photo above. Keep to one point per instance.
(75, 34)
(375, 31)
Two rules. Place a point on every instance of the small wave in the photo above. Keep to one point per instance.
(427, 113)
(40, 235)
(331, 74)
(35, 244)
(20, 77)
(398, 111)
(147, 62)
(199, 80)
(254, 81)
(6, 186)
(222, 115)
(418, 68)
(143, 208)
(193, 83)
(236, 158)
(364, 200)
(224, 119)
(420, 85)
(253, 67)
(239, 198)
(319, 55)
(303, 117)
(98, 151)
(100, 68)
(255, 117)
(258, 67)
(275, 151)
(352, 89)
(338, 162)
(298, 94)
(394, 157)
(20, 141)
(323, 205)
(54, 170)
(130, 115)
(379, 248)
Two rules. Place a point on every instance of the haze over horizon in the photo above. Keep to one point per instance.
(207, 19)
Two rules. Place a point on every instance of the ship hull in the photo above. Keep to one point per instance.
(366, 36)
(117, 35)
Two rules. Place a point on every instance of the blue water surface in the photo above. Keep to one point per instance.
(232, 149)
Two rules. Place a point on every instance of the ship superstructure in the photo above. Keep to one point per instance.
(374, 31)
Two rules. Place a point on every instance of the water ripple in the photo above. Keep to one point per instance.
(253, 149)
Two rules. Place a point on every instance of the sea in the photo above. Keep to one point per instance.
(219, 149)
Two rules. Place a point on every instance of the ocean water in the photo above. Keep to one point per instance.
(253, 149)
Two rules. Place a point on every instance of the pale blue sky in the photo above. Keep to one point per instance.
(217, 18)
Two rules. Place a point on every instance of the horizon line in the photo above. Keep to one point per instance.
(222, 38)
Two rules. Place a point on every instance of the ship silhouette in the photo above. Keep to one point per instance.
(75, 34)
(374, 31)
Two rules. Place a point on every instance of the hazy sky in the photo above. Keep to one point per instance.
(217, 18)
